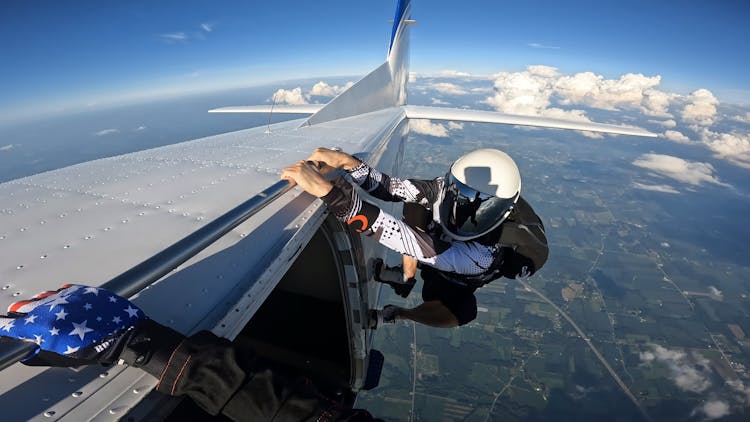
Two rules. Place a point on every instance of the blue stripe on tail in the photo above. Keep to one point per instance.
(400, 10)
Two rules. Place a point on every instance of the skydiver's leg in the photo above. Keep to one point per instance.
(432, 313)
(445, 304)
(392, 276)
(418, 217)
(409, 266)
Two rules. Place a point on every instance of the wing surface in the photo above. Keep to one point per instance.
(90, 222)
(279, 108)
(457, 114)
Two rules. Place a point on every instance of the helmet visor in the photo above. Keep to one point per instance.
(466, 212)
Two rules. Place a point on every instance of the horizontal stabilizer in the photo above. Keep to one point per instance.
(279, 108)
(457, 114)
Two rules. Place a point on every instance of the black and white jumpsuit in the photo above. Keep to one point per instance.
(435, 252)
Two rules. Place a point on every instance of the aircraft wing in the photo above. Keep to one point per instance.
(278, 108)
(456, 114)
(463, 115)
(91, 222)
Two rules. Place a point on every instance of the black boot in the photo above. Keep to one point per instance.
(403, 289)
(392, 276)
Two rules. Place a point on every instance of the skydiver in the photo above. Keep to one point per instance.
(80, 325)
(476, 227)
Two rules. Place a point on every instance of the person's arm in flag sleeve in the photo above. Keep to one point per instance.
(77, 325)
(73, 325)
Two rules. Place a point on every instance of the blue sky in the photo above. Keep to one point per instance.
(69, 55)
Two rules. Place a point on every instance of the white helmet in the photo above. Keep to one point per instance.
(480, 191)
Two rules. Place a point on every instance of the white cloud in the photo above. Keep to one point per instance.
(693, 173)
(540, 70)
(632, 90)
(733, 147)
(676, 136)
(666, 123)
(438, 101)
(454, 74)
(558, 113)
(715, 409)
(690, 378)
(691, 372)
(526, 93)
(543, 91)
(106, 132)
(139, 128)
(700, 108)
(286, 96)
(582, 88)
(449, 73)
(455, 125)
(183, 37)
(174, 37)
(688, 372)
(655, 188)
(426, 127)
(657, 103)
(740, 387)
(742, 119)
(592, 135)
(481, 90)
(7, 147)
(537, 45)
(447, 88)
(531, 93)
(322, 89)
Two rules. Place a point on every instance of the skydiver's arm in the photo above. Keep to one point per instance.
(212, 371)
(460, 257)
(377, 184)
(393, 189)
(221, 378)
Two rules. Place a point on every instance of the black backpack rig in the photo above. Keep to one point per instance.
(523, 245)
(523, 242)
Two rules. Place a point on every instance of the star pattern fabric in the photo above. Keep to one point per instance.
(71, 319)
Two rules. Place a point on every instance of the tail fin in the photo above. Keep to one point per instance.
(382, 88)
(398, 52)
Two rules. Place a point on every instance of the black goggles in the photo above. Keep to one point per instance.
(466, 212)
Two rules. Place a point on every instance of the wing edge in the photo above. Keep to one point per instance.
(279, 108)
(481, 116)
